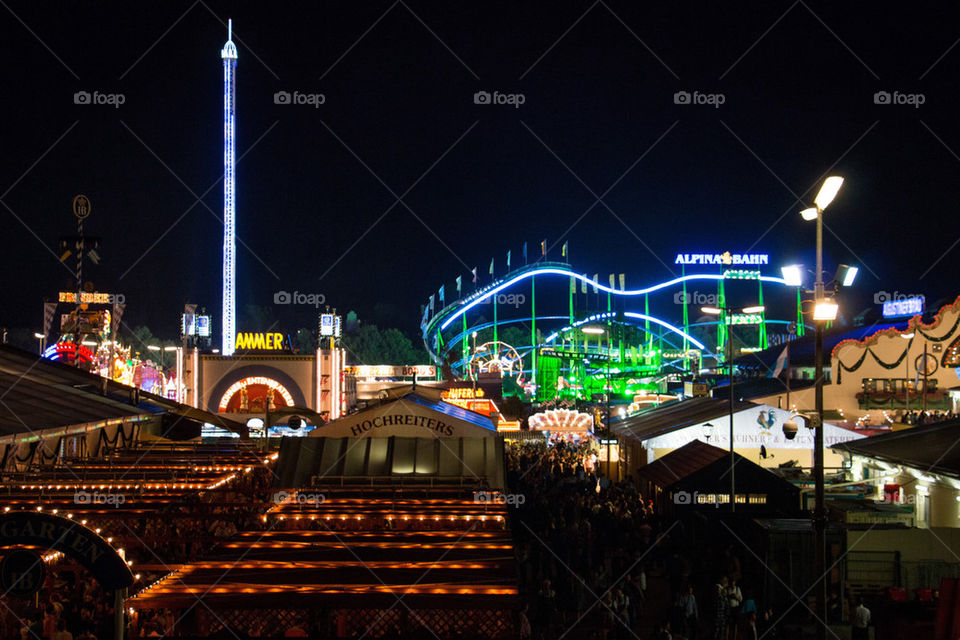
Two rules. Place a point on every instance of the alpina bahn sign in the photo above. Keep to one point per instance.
(723, 258)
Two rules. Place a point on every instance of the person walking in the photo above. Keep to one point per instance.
(861, 622)
(688, 608)
(721, 609)
(735, 598)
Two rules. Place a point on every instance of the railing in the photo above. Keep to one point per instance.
(411, 480)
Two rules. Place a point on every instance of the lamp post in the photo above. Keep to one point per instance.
(824, 310)
(41, 339)
(728, 312)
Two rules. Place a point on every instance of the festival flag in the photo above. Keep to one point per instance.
(508, 260)
(441, 293)
(459, 281)
(583, 284)
(491, 266)
(563, 250)
(613, 284)
(524, 253)
(474, 272)
(49, 310)
(623, 282)
(573, 284)
(543, 248)
(423, 318)
(117, 315)
(595, 277)
(431, 303)
(781, 362)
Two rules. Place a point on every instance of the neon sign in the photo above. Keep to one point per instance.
(88, 297)
(261, 342)
(461, 394)
(726, 258)
(240, 385)
(390, 371)
(899, 307)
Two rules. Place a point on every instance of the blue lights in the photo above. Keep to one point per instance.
(229, 55)
(570, 274)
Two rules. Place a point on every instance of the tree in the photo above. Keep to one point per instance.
(303, 342)
(369, 345)
(142, 338)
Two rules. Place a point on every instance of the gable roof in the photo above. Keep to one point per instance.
(38, 394)
(414, 414)
(681, 463)
(934, 448)
(701, 466)
(675, 415)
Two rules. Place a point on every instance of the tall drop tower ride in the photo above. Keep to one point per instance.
(229, 329)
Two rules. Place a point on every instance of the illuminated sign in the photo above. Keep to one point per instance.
(897, 307)
(240, 385)
(722, 258)
(561, 420)
(261, 342)
(438, 426)
(388, 371)
(195, 325)
(692, 353)
(461, 394)
(87, 297)
(329, 325)
(746, 318)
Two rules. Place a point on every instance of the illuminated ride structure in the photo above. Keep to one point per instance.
(574, 337)
(229, 55)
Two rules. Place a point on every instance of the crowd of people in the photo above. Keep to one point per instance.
(923, 417)
(597, 561)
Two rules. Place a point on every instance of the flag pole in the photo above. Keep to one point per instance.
(533, 333)
(788, 375)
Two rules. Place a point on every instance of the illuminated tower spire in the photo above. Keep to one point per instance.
(229, 55)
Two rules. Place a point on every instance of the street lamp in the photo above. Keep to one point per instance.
(728, 312)
(474, 352)
(707, 430)
(825, 309)
(41, 338)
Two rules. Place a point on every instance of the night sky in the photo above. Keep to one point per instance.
(317, 187)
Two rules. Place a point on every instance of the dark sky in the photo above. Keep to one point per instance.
(798, 83)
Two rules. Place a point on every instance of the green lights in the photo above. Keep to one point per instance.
(742, 274)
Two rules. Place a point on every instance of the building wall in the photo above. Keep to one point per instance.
(934, 498)
(867, 359)
(775, 457)
(937, 543)
(219, 372)
(753, 427)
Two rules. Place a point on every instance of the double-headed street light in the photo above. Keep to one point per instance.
(825, 310)
(728, 313)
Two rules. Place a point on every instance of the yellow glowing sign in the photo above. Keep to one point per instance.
(461, 394)
(260, 342)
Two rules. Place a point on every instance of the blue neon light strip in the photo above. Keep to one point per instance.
(593, 283)
(629, 314)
